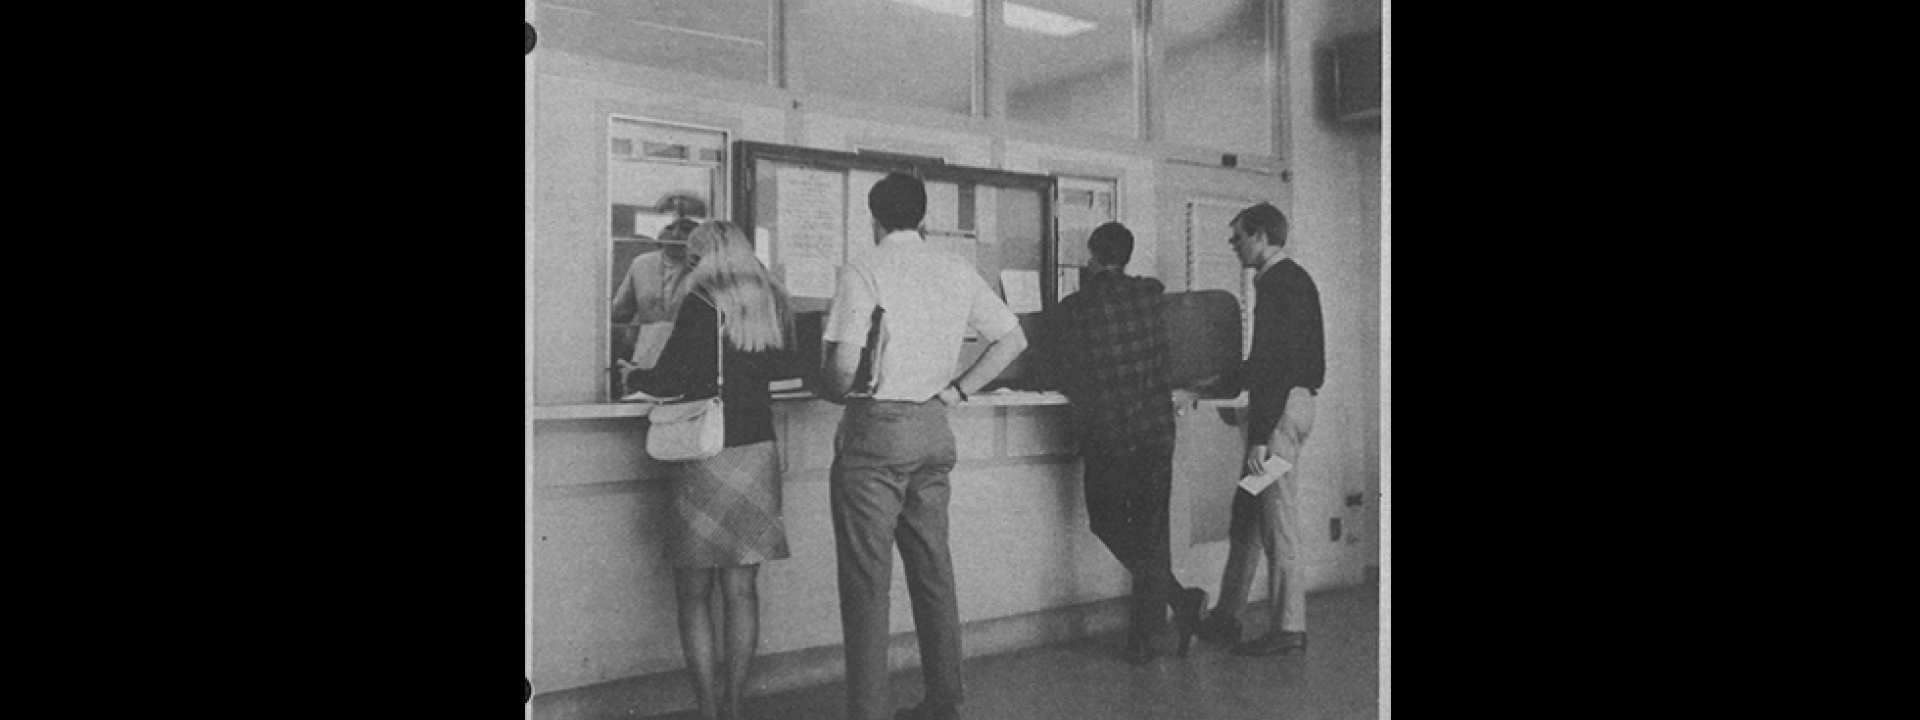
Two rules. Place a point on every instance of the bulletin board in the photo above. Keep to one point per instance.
(807, 211)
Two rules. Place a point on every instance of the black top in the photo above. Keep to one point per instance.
(1289, 345)
(686, 367)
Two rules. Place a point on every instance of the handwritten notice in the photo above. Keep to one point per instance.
(810, 278)
(1022, 288)
(810, 215)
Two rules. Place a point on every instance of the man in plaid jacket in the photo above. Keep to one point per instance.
(1111, 361)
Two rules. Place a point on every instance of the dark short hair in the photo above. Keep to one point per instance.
(1264, 217)
(1111, 244)
(898, 202)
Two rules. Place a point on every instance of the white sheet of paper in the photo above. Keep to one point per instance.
(810, 278)
(1022, 288)
(810, 215)
(642, 396)
(763, 246)
(943, 206)
(652, 339)
(1274, 466)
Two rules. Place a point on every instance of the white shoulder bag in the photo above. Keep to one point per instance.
(695, 429)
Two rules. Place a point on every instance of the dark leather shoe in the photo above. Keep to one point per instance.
(1186, 616)
(1220, 628)
(1274, 642)
(924, 711)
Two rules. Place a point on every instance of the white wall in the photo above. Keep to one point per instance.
(1336, 235)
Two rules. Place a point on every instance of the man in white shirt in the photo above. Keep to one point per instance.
(894, 447)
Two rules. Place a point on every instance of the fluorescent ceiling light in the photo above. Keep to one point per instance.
(1017, 15)
(1046, 23)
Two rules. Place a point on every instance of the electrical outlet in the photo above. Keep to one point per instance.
(1354, 499)
(1333, 529)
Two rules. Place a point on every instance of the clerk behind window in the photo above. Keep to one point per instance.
(649, 296)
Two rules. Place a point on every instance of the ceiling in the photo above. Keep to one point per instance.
(839, 46)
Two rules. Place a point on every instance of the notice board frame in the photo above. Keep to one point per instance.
(748, 154)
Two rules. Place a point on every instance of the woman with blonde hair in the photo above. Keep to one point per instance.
(725, 518)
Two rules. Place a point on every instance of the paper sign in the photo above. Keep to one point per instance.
(943, 207)
(810, 215)
(1274, 466)
(810, 278)
(1022, 288)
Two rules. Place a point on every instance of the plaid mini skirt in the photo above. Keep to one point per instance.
(726, 509)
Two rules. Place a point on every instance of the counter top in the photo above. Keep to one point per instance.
(997, 398)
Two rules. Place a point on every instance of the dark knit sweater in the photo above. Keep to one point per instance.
(1289, 345)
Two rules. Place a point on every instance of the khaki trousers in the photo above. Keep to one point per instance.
(1271, 523)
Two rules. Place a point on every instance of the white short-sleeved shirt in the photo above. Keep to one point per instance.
(930, 297)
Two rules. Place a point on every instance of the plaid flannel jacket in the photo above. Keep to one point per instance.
(1111, 362)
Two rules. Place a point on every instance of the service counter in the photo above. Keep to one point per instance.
(1028, 569)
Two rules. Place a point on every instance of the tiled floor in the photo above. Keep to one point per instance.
(1336, 679)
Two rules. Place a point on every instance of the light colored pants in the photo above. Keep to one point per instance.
(888, 488)
(1271, 522)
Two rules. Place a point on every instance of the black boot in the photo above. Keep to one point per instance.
(1220, 628)
(1186, 616)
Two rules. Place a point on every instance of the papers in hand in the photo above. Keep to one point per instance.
(642, 396)
(1274, 466)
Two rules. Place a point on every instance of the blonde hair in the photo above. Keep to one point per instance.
(751, 302)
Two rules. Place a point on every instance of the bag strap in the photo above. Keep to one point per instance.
(719, 350)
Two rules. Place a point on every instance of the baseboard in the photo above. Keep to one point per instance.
(666, 692)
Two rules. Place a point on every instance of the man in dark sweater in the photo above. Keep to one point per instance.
(1282, 374)
(1111, 361)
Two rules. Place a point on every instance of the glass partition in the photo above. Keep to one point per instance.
(656, 173)
(1069, 63)
(1215, 76)
(899, 52)
(722, 38)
